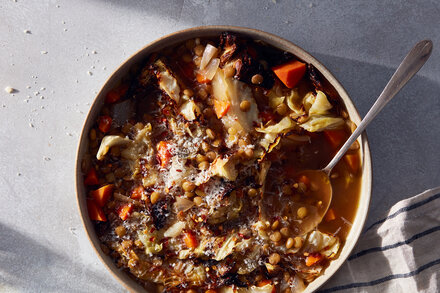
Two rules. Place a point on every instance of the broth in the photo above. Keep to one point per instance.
(193, 162)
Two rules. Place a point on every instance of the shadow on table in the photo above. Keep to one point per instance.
(26, 265)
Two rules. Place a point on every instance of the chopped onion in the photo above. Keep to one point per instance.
(211, 69)
(208, 54)
(182, 204)
(120, 197)
(174, 230)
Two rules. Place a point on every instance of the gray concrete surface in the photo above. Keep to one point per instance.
(43, 247)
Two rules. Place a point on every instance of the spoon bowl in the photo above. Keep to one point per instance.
(320, 186)
(318, 193)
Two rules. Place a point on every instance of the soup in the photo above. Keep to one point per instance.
(193, 169)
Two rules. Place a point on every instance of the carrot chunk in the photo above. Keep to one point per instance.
(353, 162)
(221, 108)
(91, 177)
(335, 137)
(290, 73)
(201, 78)
(313, 259)
(190, 239)
(163, 153)
(330, 215)
(105, 122)
(102, 195)
(137, 192)
(95, 212)
(263, 283)
(116, 94)
(125, 210)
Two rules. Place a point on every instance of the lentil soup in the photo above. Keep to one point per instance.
(192, 164)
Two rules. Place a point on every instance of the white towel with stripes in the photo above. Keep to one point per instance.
(399, 253)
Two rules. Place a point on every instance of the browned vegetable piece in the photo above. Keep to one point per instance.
(228, 43)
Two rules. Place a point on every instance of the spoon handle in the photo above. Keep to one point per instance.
(406, 70)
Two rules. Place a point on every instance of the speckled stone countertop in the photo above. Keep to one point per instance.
(58, 53)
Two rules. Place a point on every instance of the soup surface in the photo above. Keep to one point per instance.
(193, 165)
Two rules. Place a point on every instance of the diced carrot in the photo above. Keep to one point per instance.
(330, 215)
(304, 179)
(190, 239)
(313, 258)
(137, 192)
(221, 108)
(335, 137)
(353, 162)
(201, 78)
(116, 94)
(263, 283)
(95, 212)
(125, 210)
(290, 73)
(105, 122)
(91, 177)
(163, 153)
(102, 195)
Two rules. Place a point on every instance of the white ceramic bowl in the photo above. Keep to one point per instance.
(206, 31)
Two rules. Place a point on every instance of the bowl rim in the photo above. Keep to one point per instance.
(210, 30)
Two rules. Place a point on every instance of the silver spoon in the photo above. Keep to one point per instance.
(412, 63)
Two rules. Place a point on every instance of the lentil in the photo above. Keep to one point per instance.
(205, 146)
(257, 79)
(232, 130)
(188, 186)
(211, 156)
(252, 192)
(210, 134)
(229, 71)
(189, 194)
(120, 231)
(289, 243)
(302, 212)
(274, 258)
(198, 200)
(155, 197)
(216, 143)
(204, 165)
(245, 106)
(282, 109)
(285, 231)
(249, 153)
(287, 190)
(275, 225)
(275, 237)
(298, 242)
(188, 92)
(200, 192)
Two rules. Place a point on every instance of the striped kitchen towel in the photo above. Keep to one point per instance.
(399, 253)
